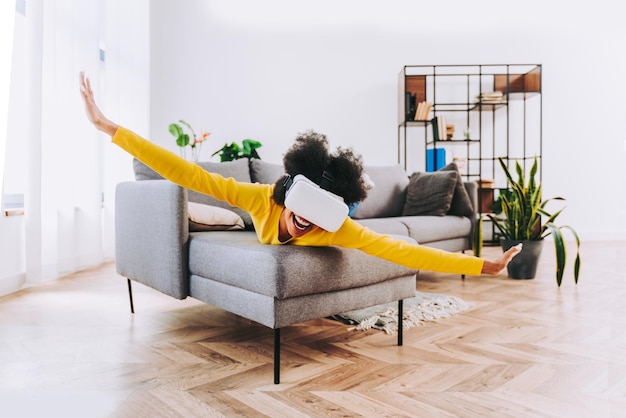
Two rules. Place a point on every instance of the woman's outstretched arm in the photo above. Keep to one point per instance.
(171, 166)
(495, 267)
(95, 116)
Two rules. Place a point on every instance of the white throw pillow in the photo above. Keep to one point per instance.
(212, 218)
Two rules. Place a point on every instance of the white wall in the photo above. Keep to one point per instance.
(270, 69)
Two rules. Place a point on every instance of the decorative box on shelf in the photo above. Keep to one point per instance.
(485, 195)
(435, 159)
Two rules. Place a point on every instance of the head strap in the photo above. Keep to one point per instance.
(288, 181)
(327, 180)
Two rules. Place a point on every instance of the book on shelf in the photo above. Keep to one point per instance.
(423, 110)
(410, 110)
(492, 97)
(442, 128)
(439, 128)
(435, 159)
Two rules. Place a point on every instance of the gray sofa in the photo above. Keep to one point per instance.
(159, 244)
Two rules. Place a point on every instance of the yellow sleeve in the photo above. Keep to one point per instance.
(354, 235)
(248, 196)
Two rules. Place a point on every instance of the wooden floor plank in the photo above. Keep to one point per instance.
(526, 348)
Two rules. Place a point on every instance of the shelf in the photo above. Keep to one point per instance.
(415, 123)
(509, 126)
(519, 83)
(417, 83)
(487, 106)
(454, 141)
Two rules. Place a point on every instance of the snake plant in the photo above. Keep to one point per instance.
(523, 211)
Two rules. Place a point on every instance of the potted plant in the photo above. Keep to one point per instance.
(183, 139)
(522, 220)
(230, 152)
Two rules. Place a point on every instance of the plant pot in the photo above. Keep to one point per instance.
(523, 265)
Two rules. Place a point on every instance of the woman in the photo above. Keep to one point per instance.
(276, 224)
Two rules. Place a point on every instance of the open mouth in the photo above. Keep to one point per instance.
(301, 223)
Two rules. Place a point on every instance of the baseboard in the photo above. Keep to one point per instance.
(11, 284)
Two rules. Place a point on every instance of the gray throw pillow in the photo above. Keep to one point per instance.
(264, 172)
(430, 193)
(388, 196)
(461, 203)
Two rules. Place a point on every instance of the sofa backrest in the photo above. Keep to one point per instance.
(264, 172)
(237, 169)
(387, 197)
(384, 200)
(244, 170)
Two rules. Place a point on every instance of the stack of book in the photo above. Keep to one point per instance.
(423, 110)
(493, 97)
(439, 128)
(449, 130)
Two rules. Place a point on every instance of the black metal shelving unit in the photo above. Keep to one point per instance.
(485, 129)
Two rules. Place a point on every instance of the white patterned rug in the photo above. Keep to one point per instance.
(415, 311)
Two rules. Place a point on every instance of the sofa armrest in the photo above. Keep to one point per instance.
(152, 235)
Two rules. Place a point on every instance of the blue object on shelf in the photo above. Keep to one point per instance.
(435, 159)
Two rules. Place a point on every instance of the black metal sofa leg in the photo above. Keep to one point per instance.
(277, 341)
(400, 306)
(277, 356)
(130, 296)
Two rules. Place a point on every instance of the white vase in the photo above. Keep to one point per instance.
(195, 154)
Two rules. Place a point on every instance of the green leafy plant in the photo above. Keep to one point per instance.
(522, 212)
(232, 151)
(477, 238)
(183, 139)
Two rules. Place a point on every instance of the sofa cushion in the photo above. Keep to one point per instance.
(430, 193)
(427, 229)
(264, 172)
(388, 195)
(461, 204)
(212, 218)
(392, 226)
(238, 259)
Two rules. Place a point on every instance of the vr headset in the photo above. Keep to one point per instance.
(314, 203)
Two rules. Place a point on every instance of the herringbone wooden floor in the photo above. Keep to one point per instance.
(70, 348)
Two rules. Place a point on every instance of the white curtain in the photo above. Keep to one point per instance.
(69, 202)
(7, 21)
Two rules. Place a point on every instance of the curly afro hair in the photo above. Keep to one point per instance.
(310, 156)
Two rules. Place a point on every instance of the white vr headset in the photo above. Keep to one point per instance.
(313, 203)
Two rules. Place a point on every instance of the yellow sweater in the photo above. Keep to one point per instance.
(256, 199)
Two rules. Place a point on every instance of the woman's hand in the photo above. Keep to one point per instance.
(495, 267)
(95, 116)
